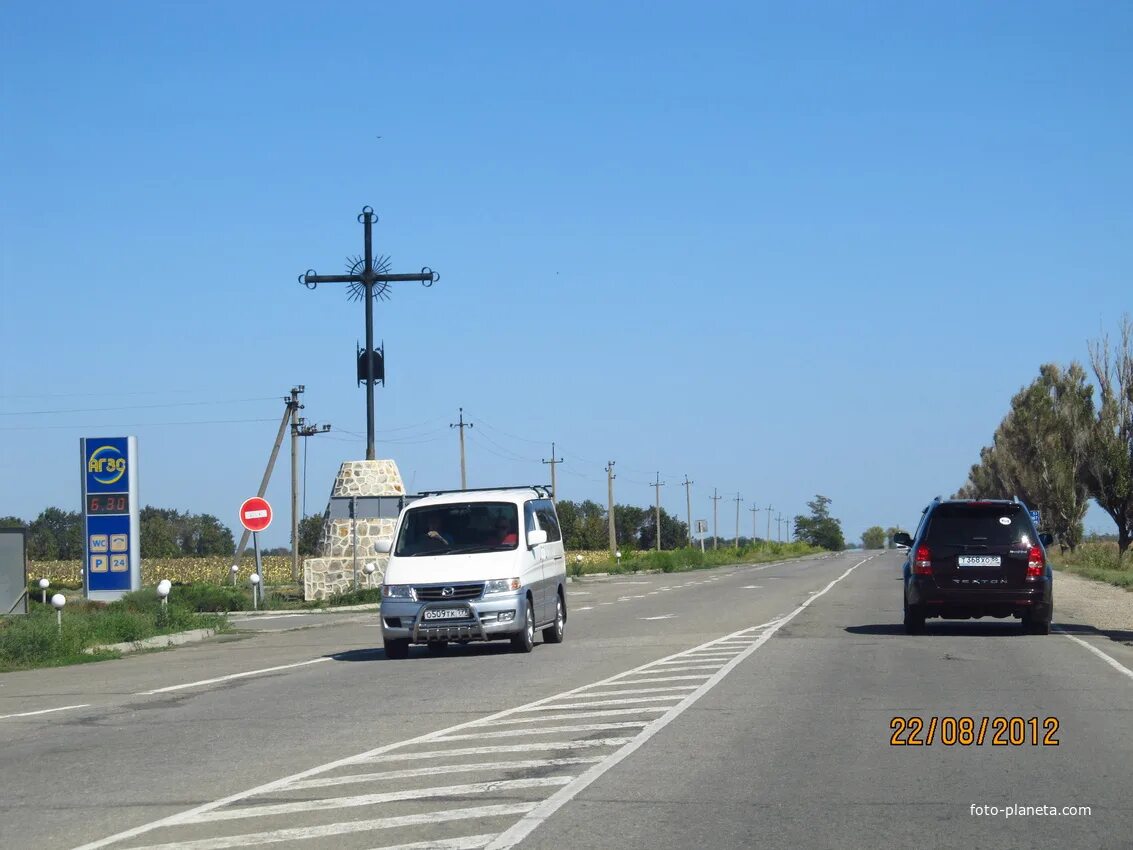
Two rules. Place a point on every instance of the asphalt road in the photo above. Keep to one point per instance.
(732, 708)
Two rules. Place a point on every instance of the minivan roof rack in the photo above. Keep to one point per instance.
(543, 490)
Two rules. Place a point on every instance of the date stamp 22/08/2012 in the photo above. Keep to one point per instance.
(950, 731)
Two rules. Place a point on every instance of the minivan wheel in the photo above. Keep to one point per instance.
(914, 620)
(397, 648)
(524, 641)
(554, 632)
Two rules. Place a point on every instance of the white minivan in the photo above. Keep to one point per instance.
(470, 565)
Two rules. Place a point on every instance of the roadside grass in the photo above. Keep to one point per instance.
(1098, 561)
(35, 640)
(681, 560)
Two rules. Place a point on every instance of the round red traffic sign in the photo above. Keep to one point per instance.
(255, 514)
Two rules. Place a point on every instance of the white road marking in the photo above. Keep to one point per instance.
(465, 842)
(44, 711)
(435, 769)
(231, 677)
(1112, 662)
(482, 751)
(576, 715)
(563, 706)
(529, 822)
(683, 668)
(640, 691)
(661, 617)
(699, 677)
(751, 587)
(307, 832)
(512, 733)
(584, 608)
(370, 799)
(687, 659)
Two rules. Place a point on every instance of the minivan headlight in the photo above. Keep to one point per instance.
(501, 585)
(398, 591)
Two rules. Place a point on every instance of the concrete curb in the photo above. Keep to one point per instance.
(156, 642)
(275, 612)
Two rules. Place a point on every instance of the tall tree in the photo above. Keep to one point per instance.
(1043, 445)
(56, 535)
(310, 530)
(873, 538)
(820, 529)
(1109, 465)
(674, 533)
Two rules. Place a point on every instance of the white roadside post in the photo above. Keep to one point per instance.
(59, 600)
(163, 588)
(369, 570)
(618, 555)
(578, 565)
(43, 585)
(255, 580)
(235, 569)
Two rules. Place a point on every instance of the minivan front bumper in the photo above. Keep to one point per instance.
(499, 615)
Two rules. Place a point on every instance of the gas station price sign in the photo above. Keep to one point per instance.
(111, 526)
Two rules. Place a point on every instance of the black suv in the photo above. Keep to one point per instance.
(973, 558)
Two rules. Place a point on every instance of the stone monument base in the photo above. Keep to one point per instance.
(332, 573)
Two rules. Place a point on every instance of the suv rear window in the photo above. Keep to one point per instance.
(995, 525)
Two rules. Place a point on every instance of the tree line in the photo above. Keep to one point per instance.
(1057, 447)
(57, 535)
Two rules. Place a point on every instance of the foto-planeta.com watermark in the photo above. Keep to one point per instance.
(1016, 810)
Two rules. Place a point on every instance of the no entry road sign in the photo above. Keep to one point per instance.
(255, 514)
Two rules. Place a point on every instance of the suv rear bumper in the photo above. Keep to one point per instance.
(1034, 602)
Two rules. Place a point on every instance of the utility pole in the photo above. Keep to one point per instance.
(306, 431)
(294, 406)
(688, 507)
(658, 484)
(737, 500)
(239, 554)
(715, 504)
(779, 523)
(610, 513)
(769, 510)
(462, 425)
(553, 462)
(754, 510)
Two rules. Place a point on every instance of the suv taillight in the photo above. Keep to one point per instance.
(922, 563)
(1036, 564)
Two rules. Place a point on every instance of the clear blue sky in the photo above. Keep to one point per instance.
(784, 249)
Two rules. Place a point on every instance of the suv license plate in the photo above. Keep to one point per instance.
(979, 561)
(446, 614)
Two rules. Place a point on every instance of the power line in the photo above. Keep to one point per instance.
(129, 425)
(132, 407)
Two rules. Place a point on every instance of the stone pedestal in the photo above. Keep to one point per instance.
(332, 572)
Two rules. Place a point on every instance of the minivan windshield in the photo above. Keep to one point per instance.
(976, 525)
(458, 529)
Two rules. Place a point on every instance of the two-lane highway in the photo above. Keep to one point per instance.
(724, 708)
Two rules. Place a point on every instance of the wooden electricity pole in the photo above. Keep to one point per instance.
(715, 504)
(462, 425)
(553, 462)
(688, 508)
(610, 513)
(737, 500)
(658, 484)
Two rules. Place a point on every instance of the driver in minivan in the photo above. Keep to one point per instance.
(434, 533)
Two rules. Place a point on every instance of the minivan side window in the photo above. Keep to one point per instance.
(529, 516)
(545, 510)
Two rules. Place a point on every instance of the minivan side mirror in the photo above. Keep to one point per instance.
(902, 538)
(1046, 538)
(536, 537)
(383, 545)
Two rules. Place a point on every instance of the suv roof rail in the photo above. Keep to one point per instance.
(543, 490)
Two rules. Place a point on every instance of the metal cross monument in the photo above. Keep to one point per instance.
(368, 281)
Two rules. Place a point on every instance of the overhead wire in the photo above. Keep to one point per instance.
(135, 407)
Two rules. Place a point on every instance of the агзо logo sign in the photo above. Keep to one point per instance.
(106, 465)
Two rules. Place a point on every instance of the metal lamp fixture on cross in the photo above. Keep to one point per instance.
(367, 281)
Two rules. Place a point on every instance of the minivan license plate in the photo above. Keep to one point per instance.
(446, 613)
(979, 561)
